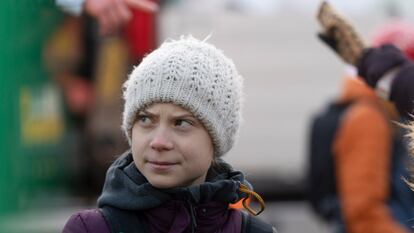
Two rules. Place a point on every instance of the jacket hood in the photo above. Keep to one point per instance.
(126, 188)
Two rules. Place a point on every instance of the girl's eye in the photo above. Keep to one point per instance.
(183, 123)
(144, 120)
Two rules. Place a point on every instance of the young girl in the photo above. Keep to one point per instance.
(182, 113)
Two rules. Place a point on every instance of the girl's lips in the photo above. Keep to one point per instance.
(161, 166)
(161, 163)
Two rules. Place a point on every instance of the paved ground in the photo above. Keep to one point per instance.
(293, 217)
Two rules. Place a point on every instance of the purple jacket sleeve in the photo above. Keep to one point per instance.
(86, 221)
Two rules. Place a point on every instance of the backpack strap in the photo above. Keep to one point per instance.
(124, 221)
(321, 184)
(253, 224)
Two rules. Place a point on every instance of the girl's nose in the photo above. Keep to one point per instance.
(161, 141)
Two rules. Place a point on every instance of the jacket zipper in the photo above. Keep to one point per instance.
(193, 216)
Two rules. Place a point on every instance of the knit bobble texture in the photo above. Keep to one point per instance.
(194, 75)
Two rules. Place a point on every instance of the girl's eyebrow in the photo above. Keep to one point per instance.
(175, 116)
(146, 113)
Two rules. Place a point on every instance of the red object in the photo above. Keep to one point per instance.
(140, 33)
(79, 95)
(398, 33)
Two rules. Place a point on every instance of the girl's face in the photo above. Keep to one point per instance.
(171, 147)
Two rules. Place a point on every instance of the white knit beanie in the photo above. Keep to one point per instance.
(194, 75)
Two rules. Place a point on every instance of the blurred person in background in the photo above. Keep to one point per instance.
(101, 46)
(384, 68)
(391, 73)
(182, 113)
(370, 154)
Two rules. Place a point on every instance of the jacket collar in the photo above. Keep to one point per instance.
(126, 188)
